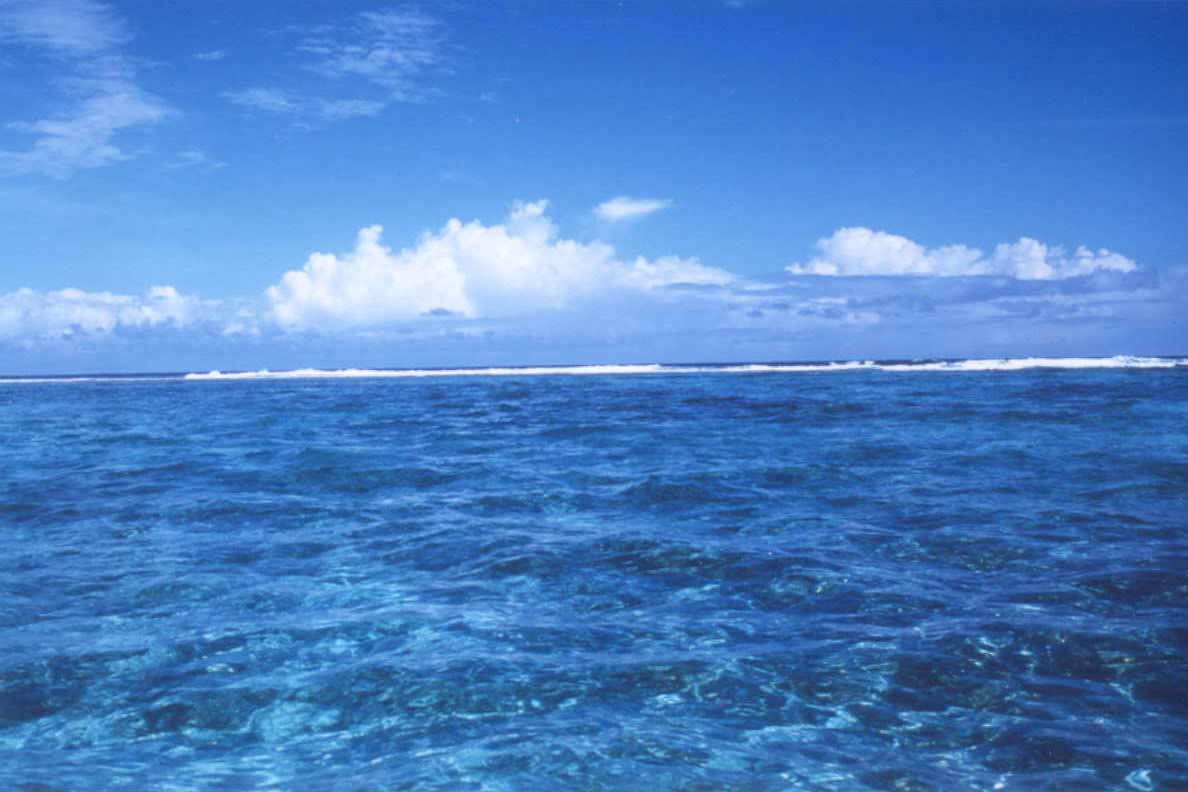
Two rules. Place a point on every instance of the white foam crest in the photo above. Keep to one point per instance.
(354, 373)
(986, 364)
(970, 365)
(853, 365)
(1018, 364)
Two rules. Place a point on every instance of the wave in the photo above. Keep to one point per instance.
(969, 365)
(982, 364)
(309, 373)
(759, 368)
(1018, 364)
(973, 364)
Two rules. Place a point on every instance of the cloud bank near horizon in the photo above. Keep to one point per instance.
(519, 267)
(858, 251)
(31, 316)
(522, 283)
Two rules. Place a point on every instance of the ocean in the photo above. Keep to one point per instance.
(900, 576)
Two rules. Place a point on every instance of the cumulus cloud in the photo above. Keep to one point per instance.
(514, 268)
(26, 314)
(671, 271)
(861, 251)
(518, 289)
(625, 208)
(1029, 259)
(101, 84)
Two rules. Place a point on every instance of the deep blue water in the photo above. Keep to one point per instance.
(864, 579)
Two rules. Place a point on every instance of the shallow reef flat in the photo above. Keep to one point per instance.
(953, 578)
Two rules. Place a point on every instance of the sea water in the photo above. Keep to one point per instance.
(947, 575)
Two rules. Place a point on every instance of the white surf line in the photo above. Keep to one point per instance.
(537, 371)
(970, 365)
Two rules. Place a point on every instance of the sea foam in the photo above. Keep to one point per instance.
(966, 365)
(986, 364)
(310, 373)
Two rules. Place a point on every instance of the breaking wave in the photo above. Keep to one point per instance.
(972, 364)
(986, 364)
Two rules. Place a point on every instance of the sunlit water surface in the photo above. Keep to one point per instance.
(817, 580)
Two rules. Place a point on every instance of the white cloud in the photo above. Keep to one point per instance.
(386, 53)
(75, 27)
(519, 279)
(194, 158)
(670, 271)
(304, 110)
(267, 100)
(211, 55)
(33, 315)
(1029, 259)
(344, 109)
(107, 99)
(515, 268)
(389, 48)
(624, 207)
(861, 251)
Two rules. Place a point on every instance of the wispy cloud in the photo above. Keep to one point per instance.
(210, 55)
(73, 27)
(345, 109)
(390, 49)
(626, 208)
(266, 100)
(384, 55)
(99, 80)
(305, 111)
(196, 159)
(860, 251)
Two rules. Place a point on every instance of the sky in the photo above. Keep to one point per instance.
(190, 186)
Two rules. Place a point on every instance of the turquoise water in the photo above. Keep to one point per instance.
(667, 579)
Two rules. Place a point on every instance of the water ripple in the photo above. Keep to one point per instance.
(694, 580)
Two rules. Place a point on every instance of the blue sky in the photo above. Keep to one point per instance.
(199, 185)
